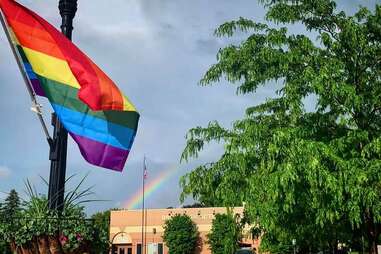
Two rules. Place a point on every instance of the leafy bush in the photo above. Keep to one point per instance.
(102, 224)
(181, 234)
(225, 234)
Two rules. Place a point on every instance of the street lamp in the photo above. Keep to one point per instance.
(294, 244)
(58, 146)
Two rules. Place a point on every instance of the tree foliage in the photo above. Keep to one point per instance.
(225, 234)
(311, 175)
(101, 222)
(194, 205)
(11, 207)
(8, 210)
(181, 234)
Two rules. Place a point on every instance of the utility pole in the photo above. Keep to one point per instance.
(58, 148)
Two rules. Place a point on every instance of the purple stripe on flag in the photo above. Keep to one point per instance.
(37, 87)
(101, 154)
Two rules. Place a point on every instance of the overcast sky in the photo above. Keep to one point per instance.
(156, 51)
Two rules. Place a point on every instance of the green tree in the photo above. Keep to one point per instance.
(181, 234)
(194, 205)
(10, 215)
(225, 234)
(101, 222)
(4, 246)
(12, 206)
(310, 175)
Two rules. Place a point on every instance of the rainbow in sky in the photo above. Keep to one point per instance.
(150, 187)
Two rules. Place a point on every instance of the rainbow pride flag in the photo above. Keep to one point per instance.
(100, 119)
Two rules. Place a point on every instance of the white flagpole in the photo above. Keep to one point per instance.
(143, 250)
(36, 107)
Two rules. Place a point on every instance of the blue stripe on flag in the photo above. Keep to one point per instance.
(95, 128)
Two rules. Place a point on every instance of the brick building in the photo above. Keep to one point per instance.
(126, 229)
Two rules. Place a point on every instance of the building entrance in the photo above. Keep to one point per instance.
(124, 249)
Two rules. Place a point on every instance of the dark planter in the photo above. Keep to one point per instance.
(43, 244)
(54, 245)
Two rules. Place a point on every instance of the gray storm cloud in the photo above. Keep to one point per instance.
(156, 51)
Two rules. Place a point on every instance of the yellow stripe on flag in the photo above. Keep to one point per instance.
(127, 105)
(51, 67)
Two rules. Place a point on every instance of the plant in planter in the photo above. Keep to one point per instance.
(37, 229)
(75, 232)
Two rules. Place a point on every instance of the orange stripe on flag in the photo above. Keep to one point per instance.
(36, 39)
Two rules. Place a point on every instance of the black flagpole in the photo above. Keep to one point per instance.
(58, 149)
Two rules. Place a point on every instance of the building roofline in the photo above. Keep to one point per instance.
(169, 209)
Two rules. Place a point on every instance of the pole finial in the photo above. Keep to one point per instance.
(67, 8)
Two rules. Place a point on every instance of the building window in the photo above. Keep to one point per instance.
(139, 248)
(160, 248)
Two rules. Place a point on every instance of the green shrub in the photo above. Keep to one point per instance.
(181, 234)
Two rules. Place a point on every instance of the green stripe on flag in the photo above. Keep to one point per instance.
(67, 96)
